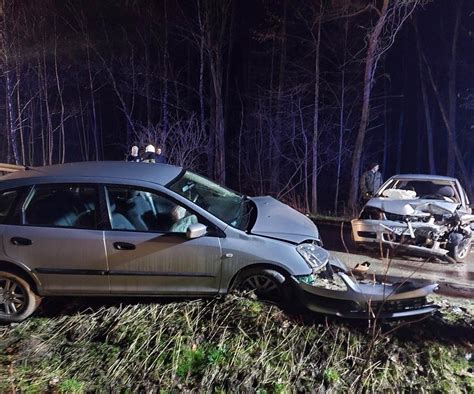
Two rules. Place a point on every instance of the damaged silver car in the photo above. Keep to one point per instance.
(418, 215)
(135, 229)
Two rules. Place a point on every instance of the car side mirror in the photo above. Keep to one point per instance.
(196, 230)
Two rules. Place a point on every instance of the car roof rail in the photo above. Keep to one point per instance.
(6, 168)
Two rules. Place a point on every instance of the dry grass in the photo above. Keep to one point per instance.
(235, 344)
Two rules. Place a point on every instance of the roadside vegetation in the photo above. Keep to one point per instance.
(232, 344)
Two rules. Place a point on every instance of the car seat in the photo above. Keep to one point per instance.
(138, 210)
(119, 221)
(446, 191)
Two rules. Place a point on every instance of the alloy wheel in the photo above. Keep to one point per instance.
(464, 251)
(264, 286)
(12, 297)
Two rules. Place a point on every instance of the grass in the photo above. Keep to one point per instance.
(235, 344)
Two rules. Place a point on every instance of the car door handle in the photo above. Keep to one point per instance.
(21, 241)
(124, 246)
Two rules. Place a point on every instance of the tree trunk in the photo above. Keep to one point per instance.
(20, 116)
(211, 151)
(457, 152)
(216, 73)
(342, 121)
(370, 62)
(315, 140)
(426, 106)
(216, 27)
(202, 120)
(452, 96)
(401, 125)
(93, 106)
(276, 133)
(9, 73)
(62, 135)
(165, 77)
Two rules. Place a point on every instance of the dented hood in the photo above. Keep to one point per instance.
(413, 207)
(278, 220)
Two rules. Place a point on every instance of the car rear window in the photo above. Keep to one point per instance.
(7, 200)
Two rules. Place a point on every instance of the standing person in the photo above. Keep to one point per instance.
(150, 154)
(160, 157)
(370, 181)
(133, 155)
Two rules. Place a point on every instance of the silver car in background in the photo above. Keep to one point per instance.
(134, 229)
(420, 215)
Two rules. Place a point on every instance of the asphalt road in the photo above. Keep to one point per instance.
(456, 280)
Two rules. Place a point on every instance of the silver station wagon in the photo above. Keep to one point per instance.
(135, 229)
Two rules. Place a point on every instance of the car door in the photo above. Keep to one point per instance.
(147, 248)
(56, 235)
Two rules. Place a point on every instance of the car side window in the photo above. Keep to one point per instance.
(62, 206)
(140, 210)
(7, 202)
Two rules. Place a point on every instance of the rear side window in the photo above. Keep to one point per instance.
(7, 201)
(62, 206)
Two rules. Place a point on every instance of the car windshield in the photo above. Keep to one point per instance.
(227, 205)
(419, 188)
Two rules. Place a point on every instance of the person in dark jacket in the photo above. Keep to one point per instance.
(370, 182)
(160, 157)
(133, 155)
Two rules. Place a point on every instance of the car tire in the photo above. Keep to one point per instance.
(459, 249)
(17, 299)
(266, 283)
(459, 253)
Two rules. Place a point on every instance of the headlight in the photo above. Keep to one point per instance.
(315, 256)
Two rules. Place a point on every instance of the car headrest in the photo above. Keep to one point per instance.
(446, 191)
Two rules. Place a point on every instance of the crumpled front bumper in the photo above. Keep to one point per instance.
(363, 300)
(373, 233)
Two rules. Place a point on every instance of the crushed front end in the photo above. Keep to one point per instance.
(421, 228)
(332, 289)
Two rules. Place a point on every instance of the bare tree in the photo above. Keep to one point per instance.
(426, 105)
(390, 18)
(216, 16)
(8, 71)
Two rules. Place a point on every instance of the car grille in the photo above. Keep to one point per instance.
(398, 305)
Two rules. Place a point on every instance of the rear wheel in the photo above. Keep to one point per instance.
(17, 300)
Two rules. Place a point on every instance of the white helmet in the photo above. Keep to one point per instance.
(150, 148)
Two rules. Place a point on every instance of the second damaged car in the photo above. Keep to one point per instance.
(418, 215)
(130, 229)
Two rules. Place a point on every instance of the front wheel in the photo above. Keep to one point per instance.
(460, 252)
(17, 300)
(268, 285)
(459, 247)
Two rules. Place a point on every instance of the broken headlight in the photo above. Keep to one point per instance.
(315, 256)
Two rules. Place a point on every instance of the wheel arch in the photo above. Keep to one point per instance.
(249, 267)
(23, 273)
